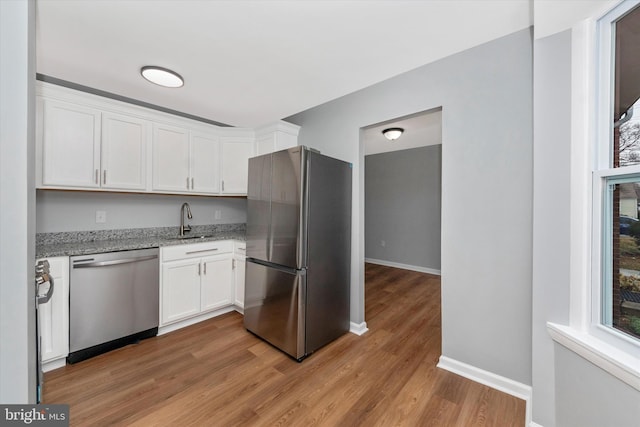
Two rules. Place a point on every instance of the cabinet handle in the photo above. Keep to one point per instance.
(205, 268)
(192, 183)
(201, 250)
(187, 183)
(104, 177)
(199, 266)
(97, 172)
(233, 264)
(222, 185)
(242, 249)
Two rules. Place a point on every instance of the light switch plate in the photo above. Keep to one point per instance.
(101, 217)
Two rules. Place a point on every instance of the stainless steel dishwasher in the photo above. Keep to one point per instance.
(113, 301)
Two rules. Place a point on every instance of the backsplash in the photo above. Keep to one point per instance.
(59, 211)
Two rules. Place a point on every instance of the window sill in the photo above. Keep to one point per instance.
(622, 365)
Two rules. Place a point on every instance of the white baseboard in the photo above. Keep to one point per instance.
(532, 424)
(53, 364)
(506, 385)
(358, 328)
(403, 266)
(193, 320)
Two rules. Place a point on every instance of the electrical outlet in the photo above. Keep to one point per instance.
(383, 243)
(101, 217)
(217, 214)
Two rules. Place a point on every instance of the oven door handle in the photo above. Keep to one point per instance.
(114, 262)
(43, 299)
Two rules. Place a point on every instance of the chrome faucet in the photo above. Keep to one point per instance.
(185, 228)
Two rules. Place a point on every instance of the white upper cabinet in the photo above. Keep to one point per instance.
(124, 152)
(88, 142)
(185, 161)
(236, 152)
(82, 147)
(70, 144)
(170, 158)
(205, 163)
(276, 137)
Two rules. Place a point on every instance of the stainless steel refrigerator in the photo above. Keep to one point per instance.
(297, 281)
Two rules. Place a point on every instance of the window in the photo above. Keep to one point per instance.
(605, 179)
(616, 290)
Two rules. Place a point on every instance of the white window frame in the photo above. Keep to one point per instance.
(591, 153)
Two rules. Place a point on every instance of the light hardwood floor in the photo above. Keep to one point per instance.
(215, 373)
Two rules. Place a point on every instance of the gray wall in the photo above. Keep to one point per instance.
(76, 211)
(17, 199)
(552, 97)
(486, 99)
(402, 206)
(590, 397)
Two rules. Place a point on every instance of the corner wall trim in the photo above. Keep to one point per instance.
(506, 385)
(358, 328)
(403, 266)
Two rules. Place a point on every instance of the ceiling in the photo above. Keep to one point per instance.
(249, 63)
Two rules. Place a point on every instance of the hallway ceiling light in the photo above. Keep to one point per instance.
(162, 76)
(392, 133)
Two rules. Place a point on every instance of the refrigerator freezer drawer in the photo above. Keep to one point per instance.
(274, 307)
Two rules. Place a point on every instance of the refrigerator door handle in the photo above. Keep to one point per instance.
(283, 268)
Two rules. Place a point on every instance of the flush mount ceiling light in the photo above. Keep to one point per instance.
(162, 76)
(392, 133)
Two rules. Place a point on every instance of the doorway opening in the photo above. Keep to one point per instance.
(403, 192)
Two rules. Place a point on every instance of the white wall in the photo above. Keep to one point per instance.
(553, 16)
(76, 210)
(486, 99)
(17, 199)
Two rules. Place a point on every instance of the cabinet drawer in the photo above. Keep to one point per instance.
(196, 250)
(240, 248)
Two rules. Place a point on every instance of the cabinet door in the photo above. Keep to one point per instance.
(265, 144)
(54, 315)
(216, 282)
(235, 164)
(238, 280)
(205, 163)
(124, 152)
(70, 144)
(170, 158)
(180, 290)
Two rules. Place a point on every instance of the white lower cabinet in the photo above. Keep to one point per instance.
(195, 279)
(54, 317)
(180, 290)
(216, 282)
(239, 264)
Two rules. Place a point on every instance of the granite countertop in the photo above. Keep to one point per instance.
(93, 242)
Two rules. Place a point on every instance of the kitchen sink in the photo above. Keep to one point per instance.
(204, 236)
